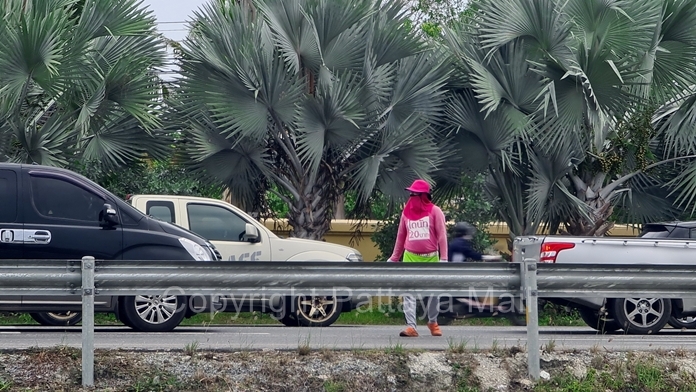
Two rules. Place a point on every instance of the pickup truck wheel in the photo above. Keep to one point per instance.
(57, 319)
(601, 323)
(153, 313)
(317, 311)
(682, 323)
(642, 316)
(286, 315)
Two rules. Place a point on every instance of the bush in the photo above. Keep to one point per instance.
(159, 178)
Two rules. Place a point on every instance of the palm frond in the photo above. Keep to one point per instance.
(114, 18)
(293, 35)
(390, 39)
(33, 47)
(549, 197)
(540, 23)
(684, 187)
(675, 123)
(341, 32)
(332, 119)
(121, 140)
(674, 47)
(646, 199)
(417, 89)
(50, 143)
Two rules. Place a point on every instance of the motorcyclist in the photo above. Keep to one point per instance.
(460, 248)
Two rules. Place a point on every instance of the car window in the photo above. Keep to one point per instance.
(215, 223)
(656, 234)
(162, 210)
(8, 196)
(59, 199)
(679, 233)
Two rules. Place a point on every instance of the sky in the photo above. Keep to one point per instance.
(172, 15)
(172, 21)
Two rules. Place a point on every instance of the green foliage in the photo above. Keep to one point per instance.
(159, 178)
(474, 206)
(78, 80)
(433, 15)
(633, 374)
(385, 236)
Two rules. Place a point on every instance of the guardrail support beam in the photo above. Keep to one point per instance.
(531, 295)
(87, 321)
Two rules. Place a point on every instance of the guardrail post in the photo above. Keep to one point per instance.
(87, 321)
(531, 296)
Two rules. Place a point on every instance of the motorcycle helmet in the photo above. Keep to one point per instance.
(464, 228)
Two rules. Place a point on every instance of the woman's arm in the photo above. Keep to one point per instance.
(400, 240)
(441, 232)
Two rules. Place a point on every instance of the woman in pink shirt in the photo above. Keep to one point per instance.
(422, 237)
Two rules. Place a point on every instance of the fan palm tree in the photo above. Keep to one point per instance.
(557, 99)
(78, 82)
(308, 99)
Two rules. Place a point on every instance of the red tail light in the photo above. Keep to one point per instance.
(549, 250)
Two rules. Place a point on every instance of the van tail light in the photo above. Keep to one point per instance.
(549, 250)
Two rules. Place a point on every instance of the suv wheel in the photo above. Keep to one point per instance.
(153, 313)
(317, 311)
(57, 319)
(641, 316)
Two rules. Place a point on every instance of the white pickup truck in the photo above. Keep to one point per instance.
(659, 243)
(239, 237)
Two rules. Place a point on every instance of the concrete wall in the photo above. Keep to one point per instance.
(344, 232)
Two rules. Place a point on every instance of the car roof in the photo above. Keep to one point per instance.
(688, 224)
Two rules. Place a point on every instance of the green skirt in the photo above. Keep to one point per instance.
(414, 258)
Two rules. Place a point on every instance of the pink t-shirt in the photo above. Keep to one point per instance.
(426, 235)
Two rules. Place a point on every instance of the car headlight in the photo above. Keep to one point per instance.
(196, 251)
(215, 254)
(354, 257)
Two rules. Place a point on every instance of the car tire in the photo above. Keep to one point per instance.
(316, 311)
(288, 320)
(641, 316)
(153, 313)
(57, 319)
(602, 324)
(682, 323)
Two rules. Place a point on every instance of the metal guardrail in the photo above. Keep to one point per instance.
(526, 280)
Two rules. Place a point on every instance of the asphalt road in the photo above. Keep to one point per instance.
(338, 337)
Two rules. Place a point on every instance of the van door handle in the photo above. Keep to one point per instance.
(37, 237)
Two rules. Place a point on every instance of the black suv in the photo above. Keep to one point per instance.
(51, 213)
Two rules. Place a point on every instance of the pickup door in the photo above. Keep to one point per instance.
(217, 222)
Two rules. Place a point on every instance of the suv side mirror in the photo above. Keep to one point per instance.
(251, 233)
(108, 216)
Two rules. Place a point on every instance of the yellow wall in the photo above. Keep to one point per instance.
(343, 231)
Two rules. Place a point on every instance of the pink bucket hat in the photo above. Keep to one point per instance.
(419, 186)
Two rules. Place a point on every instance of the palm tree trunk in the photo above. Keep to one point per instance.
(229, 197)
(310, 214)
(591, 190)
(340, 207)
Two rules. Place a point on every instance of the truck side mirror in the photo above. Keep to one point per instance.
(108, 216)
(251, 233)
